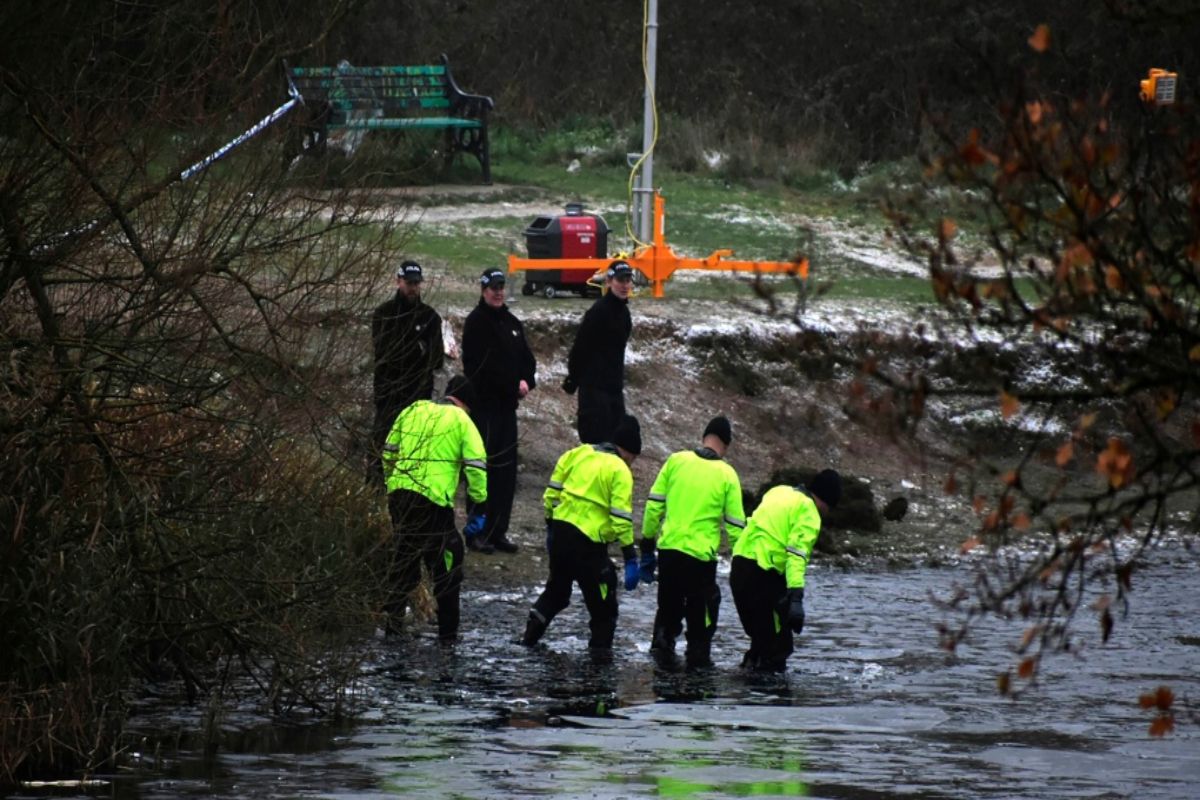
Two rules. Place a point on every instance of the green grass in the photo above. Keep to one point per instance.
(898, 289)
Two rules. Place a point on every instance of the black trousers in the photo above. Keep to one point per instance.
(499, 432)
(687, 590)
(574, 558)
(424, 532)
(761, 599)
(600, 410)
(381, 426)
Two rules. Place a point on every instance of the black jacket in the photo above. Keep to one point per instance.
(407, 339)
(597, 357)
(496, 357)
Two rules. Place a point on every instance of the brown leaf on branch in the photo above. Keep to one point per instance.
(946, 230)
(1034, 110)
(1116, 463)
(1009, 405)
(1113, 280)
(974, 154)
(1168, 400)
(1039, 42)
(1161, 726)
(1031, 633)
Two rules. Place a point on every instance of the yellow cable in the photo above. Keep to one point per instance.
(654, 128)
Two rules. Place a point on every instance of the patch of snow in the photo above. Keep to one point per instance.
(761, 220)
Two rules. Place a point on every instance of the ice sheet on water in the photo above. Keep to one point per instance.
(878, 717)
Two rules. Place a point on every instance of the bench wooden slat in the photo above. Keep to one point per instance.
(390, 105)
(301, 73)
(397, 97)
(413, 122)
(362, 85)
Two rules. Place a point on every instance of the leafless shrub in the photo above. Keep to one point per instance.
(182, 380)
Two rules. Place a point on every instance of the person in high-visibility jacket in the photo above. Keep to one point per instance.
(589, 504)
(770, 560)
(695, 493)
(428, 447)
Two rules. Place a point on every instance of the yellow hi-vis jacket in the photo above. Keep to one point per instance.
(781, 532)
(592, 489)
(695, 492)
(428, 446)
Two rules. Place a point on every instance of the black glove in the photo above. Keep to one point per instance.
(569, 385)
(549, 532)
(649, 561)
(646, 567)
(795, 610)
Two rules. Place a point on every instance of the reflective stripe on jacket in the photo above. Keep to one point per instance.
(781, 532)
(592, 489)
(429, 444)
(694, 493)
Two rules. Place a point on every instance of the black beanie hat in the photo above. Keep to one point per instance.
(628, 435)
(827, 485)
(459, 387)
(719, 426)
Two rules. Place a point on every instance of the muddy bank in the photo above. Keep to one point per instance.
(688, 361)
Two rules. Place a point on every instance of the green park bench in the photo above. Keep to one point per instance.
(395, 98)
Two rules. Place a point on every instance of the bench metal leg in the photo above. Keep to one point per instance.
(485, 155)
(473, 141)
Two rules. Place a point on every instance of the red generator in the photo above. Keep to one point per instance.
(572, 235)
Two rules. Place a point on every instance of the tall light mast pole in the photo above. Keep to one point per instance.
(646, 186)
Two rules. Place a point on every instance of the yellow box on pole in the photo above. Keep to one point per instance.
(1158, 88)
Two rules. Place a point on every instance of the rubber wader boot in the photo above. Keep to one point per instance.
(534, 629)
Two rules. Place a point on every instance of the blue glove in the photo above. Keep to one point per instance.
(646, 568)
(795, 613)
(549, 533)
(631, 574)
(474, 525)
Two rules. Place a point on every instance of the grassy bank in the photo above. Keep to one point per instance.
(762, 206)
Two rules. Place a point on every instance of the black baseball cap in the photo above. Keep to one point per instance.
(492, 277)
(410, 271)
(619, 269)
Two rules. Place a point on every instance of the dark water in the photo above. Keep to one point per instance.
(869, 709)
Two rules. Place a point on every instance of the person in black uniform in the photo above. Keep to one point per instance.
(406, 335)
(498, 362)
(596, 364)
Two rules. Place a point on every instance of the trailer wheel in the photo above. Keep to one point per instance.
(549, 291)
(528, 288)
